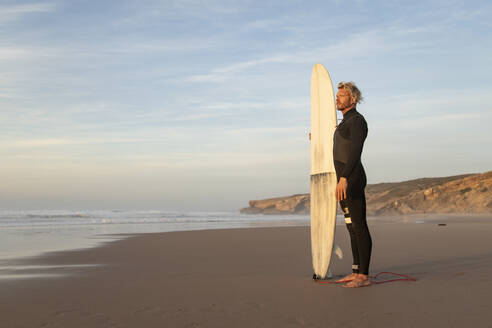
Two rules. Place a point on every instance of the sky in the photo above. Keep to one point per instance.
(204, 105)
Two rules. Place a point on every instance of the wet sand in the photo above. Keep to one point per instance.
(258, 278)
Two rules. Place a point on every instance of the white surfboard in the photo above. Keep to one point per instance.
(323, 175)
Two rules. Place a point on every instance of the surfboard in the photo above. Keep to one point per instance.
(323, 175)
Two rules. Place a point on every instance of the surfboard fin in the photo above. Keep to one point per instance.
(338, 252)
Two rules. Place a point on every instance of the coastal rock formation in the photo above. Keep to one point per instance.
(469, 193)
(296, 204)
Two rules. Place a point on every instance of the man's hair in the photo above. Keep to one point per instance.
(354, 91)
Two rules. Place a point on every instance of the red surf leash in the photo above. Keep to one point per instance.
(403, 277)
(373, 278)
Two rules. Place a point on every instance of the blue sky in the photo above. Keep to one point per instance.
(203, 105)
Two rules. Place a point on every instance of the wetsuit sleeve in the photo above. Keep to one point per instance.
(358, 133)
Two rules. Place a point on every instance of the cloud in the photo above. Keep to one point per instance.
(286, 103)
(34, 143)
(15, 12)
(226, 72)
(183, 10)
(199, 7)
(361, 44)
(53, 142)
(440, 122)
(445, 103)
(12, 53)
(156, 46)
(267, 24)
(8, 93)
(387, 40)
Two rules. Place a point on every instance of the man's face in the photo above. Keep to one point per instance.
(344, 100)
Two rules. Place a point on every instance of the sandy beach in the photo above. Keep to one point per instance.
(258, 277)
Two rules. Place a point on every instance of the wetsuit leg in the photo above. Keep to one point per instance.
(353, 236)
(357, 207)
(356, 204)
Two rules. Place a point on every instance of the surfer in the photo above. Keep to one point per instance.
(347, 149)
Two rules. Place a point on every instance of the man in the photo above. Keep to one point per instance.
(347, 149)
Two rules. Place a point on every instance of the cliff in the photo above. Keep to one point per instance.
(469, 193)
(296, 204)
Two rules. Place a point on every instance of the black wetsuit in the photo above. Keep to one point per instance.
(348, 143)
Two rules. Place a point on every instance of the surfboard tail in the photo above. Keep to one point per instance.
(323, 217)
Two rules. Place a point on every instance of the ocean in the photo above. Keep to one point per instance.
(34, 232)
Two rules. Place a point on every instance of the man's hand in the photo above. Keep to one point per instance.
(341, 191)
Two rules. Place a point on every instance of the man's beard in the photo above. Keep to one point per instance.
(342, 107)
(345, 107)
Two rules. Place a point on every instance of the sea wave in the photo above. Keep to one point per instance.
(113, 217)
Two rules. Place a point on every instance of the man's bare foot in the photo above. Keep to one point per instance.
(360, 281)
(348, 278)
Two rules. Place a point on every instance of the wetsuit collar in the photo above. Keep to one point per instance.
(350, 113)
